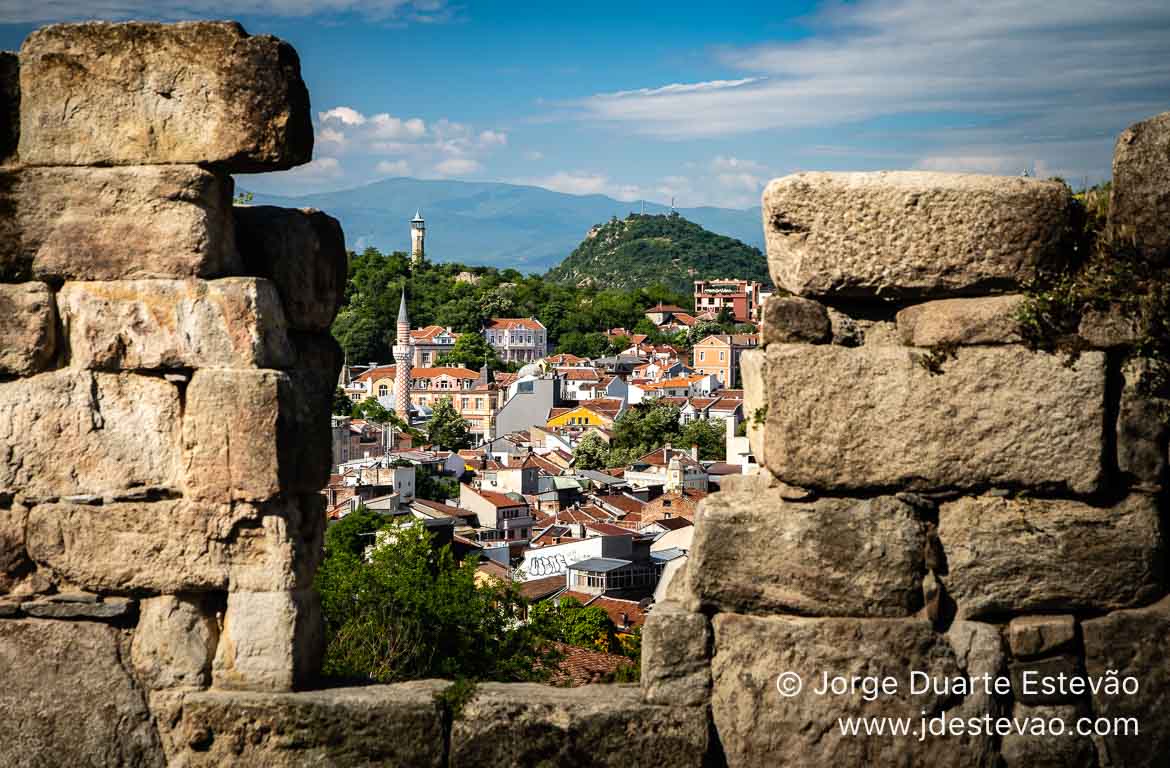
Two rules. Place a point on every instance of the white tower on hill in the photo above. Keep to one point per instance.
(418, 234)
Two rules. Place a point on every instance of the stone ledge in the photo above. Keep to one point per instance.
(526, 724)
(376, 725)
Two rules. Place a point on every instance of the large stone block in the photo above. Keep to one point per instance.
(9, 104)
(115, 223)
(1134, 644)
(250, 435)
(14, 559)
(67, 700)
(984, 320)
(760, 726)
(1031, 636)
(28, 328)
(396, 726)
(174, 641)
(236, 322)
(75, 432)
(303, 253)
(1068, 750)
(270, 641)
(1143, 427)
(177, 545)
(792, 320)
(147, 93)
(754, 552)
(675, 667)
(911, 234)
(594, 725)
(874, 417)
(1139, 205)
(1018, 556)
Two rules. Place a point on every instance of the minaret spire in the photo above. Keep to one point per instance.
(402, 360)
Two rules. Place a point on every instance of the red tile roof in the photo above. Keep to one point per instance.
(581, 666)
(457, 372)
(615, 607)
(508, 323)
(606, 529)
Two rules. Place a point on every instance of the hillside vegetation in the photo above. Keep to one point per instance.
(667, 249)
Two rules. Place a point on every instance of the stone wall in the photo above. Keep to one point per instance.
(935, 496)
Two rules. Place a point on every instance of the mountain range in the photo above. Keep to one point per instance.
(530, 229)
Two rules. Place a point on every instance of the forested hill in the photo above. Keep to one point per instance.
(666, 249)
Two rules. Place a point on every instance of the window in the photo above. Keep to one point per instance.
(383, 390)
(464, 402)
(721, 353)
(479, 403)
(702, 355)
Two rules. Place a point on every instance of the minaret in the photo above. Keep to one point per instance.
(418, 233)
(402, 356)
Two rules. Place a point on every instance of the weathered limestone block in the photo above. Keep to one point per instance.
(67, 700)
(1031, 636)
(76, 432)
(107, 609)
(754, 552)
(1029, 750)
(984, 320)
(28, 328)
(1143, 427)
(250, 435)
(303, 253)
(116, 223)
(840, 419)
(759, 726)
(1135, 644)
(14, 560)
(147, 93)
(1139, 205)
(1108, 327)
(9, 105)
(595, 725)
(236, 322)
(675, 667)
(270, 641)
(1027, 679)
(1022, 556)
(314, 381)
(177, 545)
(378, 725)
(911, 234)
(791, 319)
(174, 641)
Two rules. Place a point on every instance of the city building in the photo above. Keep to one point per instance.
(517, 339)
(670, 468)
(719, 355)
(742, 298)
(587, 413)
(502, 516)
(431, 343)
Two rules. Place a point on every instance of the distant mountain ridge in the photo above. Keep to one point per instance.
(502, 225)
(643, 249)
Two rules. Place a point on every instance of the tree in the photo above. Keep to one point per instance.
(447, 428)
(376, 413)
(428, 485)
(591, 452)
(470, 350)
(711, 437)
(702, 330)
(410, 611)
(568, 621)
(342, 405)
(646, 426)
(354, 532)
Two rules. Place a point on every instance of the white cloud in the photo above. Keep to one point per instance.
(1045, 73)
(457, 166)
(390, 11)
(572, 182)
(393, 168)
(446, 147)
(343, 115)
(533, 154)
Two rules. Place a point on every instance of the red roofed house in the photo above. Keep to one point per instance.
(431, 343)
(521, 339)
(502, 516)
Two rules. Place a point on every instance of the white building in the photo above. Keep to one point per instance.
(522, 339)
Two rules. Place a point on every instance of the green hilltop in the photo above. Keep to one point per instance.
(645, 249)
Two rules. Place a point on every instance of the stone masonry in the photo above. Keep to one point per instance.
(934, 495)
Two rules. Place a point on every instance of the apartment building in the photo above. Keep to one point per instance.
(517, 339)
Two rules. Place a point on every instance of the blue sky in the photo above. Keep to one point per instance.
(700, 101)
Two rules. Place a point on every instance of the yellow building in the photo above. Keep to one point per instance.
(587, 413)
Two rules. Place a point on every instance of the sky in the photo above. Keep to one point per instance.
(699, 102)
